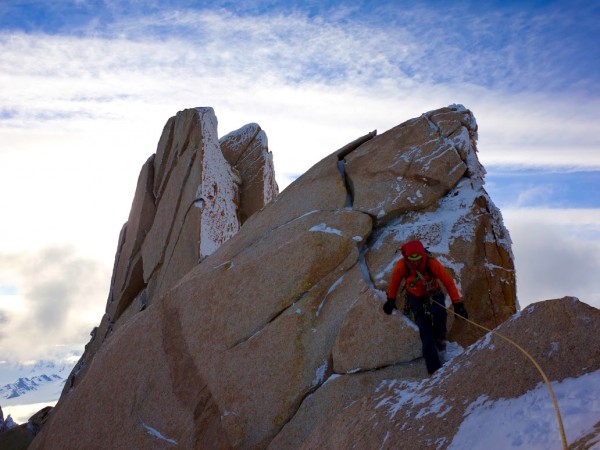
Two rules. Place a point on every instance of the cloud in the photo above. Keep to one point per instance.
(60, 298)
(535, 196)
(96, 103)
(3, 322)
(362, 72)
(557, 253)
(541, 45)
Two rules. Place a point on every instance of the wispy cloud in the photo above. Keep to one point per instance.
(59, 300)
(161, 62)
(535, 195)
(3, 322)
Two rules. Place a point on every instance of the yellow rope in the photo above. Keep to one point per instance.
(561, 428)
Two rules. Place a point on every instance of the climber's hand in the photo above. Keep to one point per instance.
(389, 306)
(460, 310)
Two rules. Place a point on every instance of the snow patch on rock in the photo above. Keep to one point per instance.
(157, 434)
(219, 220)
(322, 227)
(529, 421)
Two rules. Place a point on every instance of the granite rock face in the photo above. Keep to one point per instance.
(247, 150)
(189, 200)
(251, 336)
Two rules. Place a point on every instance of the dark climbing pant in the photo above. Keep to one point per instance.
(430, 317)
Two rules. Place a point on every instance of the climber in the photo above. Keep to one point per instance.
(422, 274)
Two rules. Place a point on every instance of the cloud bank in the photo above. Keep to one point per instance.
(557, 253)
(52, 301)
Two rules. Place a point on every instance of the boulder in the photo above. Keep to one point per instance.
(127, 273)
(457, 221)
(247, 150)
(405, 169)
(360, 346)
(337, 394)
(196, 212)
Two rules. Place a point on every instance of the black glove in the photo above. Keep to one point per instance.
(389, 306)
(459, 309)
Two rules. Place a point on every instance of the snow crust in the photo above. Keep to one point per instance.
(320, 374)
(451, 220)
(243, 134)
(158, 435)
(215, 195)
(332, 288)
(325, 229)
(529, 422)
(409, 393)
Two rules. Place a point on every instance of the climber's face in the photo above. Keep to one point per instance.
(415, 254)
(415, 260)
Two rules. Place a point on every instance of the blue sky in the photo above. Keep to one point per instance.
(544, 188)
(86, 87)
(541, 46)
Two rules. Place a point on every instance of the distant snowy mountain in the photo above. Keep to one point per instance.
(11, 372)
(25, 386)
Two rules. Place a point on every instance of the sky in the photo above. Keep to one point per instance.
(87, 86)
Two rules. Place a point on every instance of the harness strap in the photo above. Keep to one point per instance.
(429, 285)
(419, 275)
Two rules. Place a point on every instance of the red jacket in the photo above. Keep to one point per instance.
(430, 269)
(433, 276)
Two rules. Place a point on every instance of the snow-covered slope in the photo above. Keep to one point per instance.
(525, 422)
(529, 421)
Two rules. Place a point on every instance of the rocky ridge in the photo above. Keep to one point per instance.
(14, 436)
(237, 347)
(192, 195)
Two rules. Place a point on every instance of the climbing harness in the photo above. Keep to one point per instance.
(537, 366)
(430, 286)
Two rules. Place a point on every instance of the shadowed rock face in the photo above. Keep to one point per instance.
(250, 338)
(19, 437)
